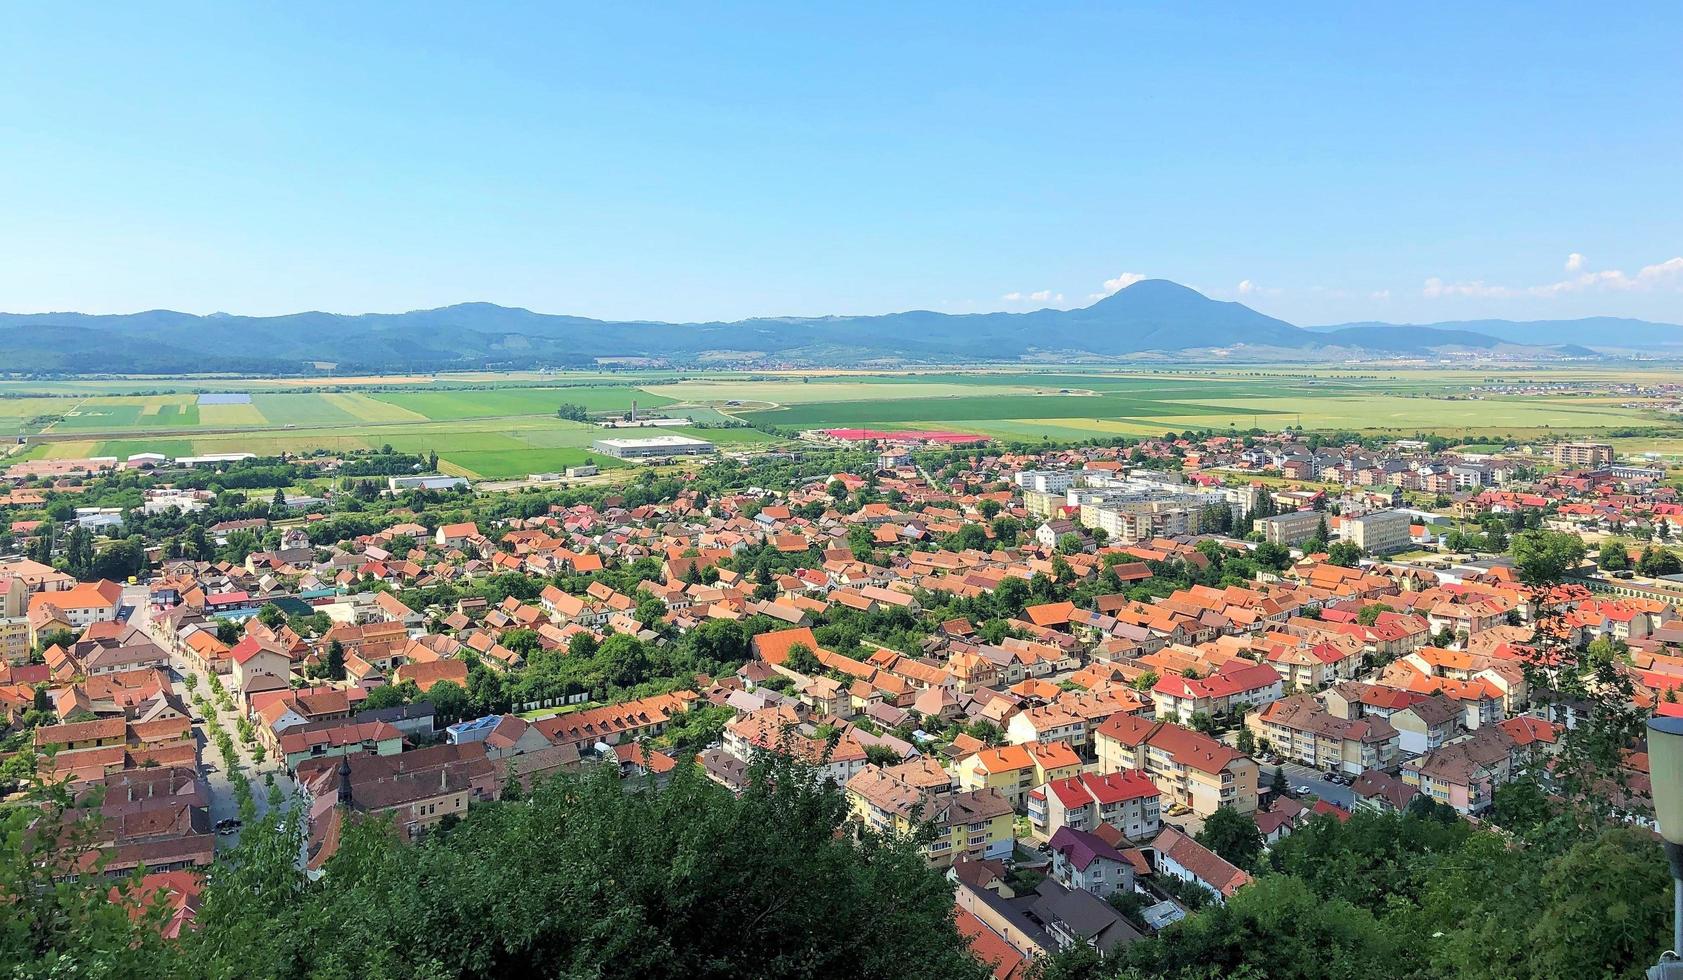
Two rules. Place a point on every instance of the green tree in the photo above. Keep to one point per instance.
(1345, 553)
(1232, 835)
(271, 616)
(334, 663)
(881, 755)
(582, 878)
(1371, 612)
(78, 552)
(1606, 909)
(1272, 556)
(120, 560)
(1275, 928)
(624, 660)
(802, 659)
(1544, 557)
(449, 703)
(1658, 561)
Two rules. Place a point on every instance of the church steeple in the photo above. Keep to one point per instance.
(345, 780)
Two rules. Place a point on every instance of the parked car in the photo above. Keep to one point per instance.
(227, 825)
(1302, 791)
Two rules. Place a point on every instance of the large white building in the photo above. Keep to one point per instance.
(1045, 481)
(667, 445)
(1380, 532)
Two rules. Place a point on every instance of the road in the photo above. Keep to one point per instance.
(223, 803)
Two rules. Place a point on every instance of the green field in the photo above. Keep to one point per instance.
(495, 403)
(486, 449)
(1097, 407)
(500, 426)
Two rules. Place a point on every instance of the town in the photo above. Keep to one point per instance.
(1099, 687)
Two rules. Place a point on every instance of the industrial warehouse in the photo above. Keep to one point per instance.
(654, 446)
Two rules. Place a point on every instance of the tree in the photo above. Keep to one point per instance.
(1277, 783)
(1246, 741)
(1544, 557)
(1345, 553)
(1606, 909)
(970, 537)
(1202, 722)
(624, 660)
(582, 646)
(1614, 555)
(649, 612)
(803, 660)
(449, 703)
(1658, 561)
(271, 616)
(120, 560)
(1232, 835)
(582, 878)
(1371, 612)
(1276, 927)
(1069, 543)
(63, 639)
(1272, 556)
(78, 552)
(334, 662)
(391, 696)
(881, 755)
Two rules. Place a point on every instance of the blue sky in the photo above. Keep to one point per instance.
(717, 161)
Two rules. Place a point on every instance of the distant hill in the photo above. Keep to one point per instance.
(1609, 332)
(1153, 318)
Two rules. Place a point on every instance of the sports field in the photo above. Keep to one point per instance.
(498, 426)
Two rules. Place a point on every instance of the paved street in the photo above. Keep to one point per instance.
(223, 803)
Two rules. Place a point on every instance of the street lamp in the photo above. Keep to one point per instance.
(1665, 773)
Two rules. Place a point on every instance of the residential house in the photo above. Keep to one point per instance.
(1190, 768)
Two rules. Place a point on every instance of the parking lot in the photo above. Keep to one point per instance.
(1315, 781)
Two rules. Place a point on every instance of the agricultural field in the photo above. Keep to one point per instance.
(482, 449)
(505, 425)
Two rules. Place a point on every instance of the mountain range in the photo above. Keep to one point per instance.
(1151, 319)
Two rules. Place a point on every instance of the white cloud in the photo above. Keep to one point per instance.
(1660, 275)
(1380, 294)
(1250, 287)
(1121, 282)
(1038, 296)
(1436, 287)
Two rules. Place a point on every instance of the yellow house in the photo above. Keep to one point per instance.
(1013, 770)
(973, 823)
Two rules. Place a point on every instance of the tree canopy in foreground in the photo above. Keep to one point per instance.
(580, 879)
